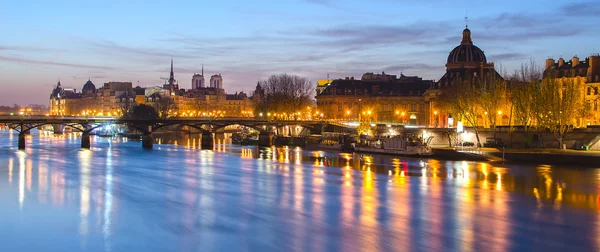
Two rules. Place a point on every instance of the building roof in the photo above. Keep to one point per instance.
(88, 87)
(377, 88)
(466, 52)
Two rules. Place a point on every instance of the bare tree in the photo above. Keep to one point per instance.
(492, 97)
(283, 94)
(523, 96)
(462, 99)
(163, 105)
(560, 102)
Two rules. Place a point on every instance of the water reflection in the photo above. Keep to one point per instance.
(285, 198)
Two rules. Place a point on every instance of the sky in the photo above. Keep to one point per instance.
(42, 42)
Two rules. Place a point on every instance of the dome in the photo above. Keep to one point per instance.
(466, 52)
(89, 88)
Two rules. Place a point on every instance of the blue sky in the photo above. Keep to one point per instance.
(44, 41)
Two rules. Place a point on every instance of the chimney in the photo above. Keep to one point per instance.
(594, 69)
(575, 61)
(549, 63)
(561, 62)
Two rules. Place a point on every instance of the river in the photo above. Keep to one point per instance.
(118, 197)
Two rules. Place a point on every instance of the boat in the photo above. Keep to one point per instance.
(395, 146)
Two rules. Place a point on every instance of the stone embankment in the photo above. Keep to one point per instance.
(531, 156)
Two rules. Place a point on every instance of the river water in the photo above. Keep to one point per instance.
(176, 197)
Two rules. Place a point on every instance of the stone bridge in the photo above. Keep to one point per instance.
(207, 126)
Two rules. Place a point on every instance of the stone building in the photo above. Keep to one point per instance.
(376, 97)
(406, 100)
(586, 71)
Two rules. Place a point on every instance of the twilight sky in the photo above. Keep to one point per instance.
(44, 41)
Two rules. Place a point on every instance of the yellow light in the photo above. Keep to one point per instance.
(348, 112)
(402, 113)
(397, 112)
(435, 112)
(499, 112)
(485, 113)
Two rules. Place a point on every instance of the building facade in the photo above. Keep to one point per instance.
(377, 98)
(585, 71)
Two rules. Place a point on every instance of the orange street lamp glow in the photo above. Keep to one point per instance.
(499, 112)
(435, 112)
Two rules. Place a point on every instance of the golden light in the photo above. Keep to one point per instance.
(499, 112)
(435, 112)
(397, 112)
(369, 112)
(403, 114)
(485, 113)
(348, 112)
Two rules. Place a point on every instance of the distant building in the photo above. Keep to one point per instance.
(198, 80)
(216, 81)
(113, 98)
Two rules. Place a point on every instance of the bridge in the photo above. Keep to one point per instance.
(206, 126)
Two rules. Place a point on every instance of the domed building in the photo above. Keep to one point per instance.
(466, 62)
(88, 89)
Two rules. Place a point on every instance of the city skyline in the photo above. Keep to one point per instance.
(134, 41)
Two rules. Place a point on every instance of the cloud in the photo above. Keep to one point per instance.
(51, 63)
(508, 56)
(321, 2)
(398, 68)
(28, 49)
(591, 8)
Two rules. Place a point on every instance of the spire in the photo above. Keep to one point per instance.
(202, 68)
(172, 75)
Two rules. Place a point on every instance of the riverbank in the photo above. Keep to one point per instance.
(529, 156)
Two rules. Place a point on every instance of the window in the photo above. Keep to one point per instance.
(589, 91)
(413, 107)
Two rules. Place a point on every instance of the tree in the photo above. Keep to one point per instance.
(492, 96)
(560, 102)
(462, 99)
(523, 95)
(142, 112)
(163, 105)
(283, 94)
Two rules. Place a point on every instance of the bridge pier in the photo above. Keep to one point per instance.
(58, 128)
(21, 141)
(85, 140)
(207, 141)
(265, 138)
(147, 141)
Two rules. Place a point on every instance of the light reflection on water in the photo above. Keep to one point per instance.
(117, 196)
